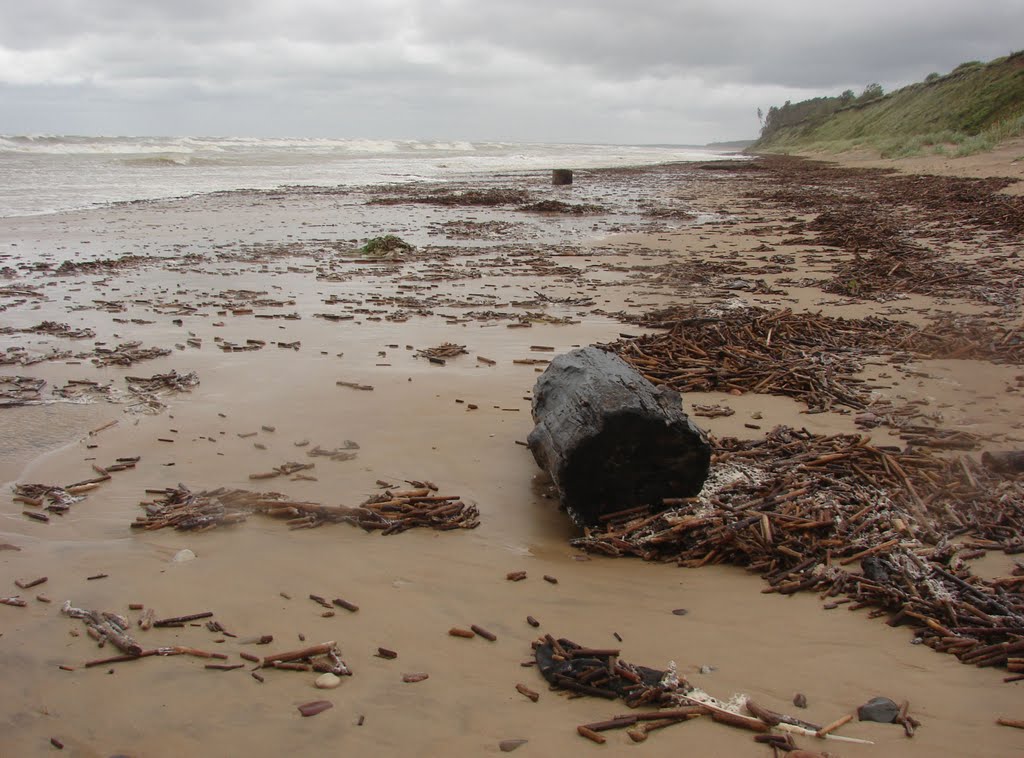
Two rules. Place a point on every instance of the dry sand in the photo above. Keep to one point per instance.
(1006, 160)
(415, 424)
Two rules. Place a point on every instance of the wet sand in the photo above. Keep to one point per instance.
(218, 263)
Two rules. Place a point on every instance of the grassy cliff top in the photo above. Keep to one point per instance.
(972, 108)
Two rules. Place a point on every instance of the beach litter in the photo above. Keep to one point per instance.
(799, 509)
(389, 512)
(601, 673)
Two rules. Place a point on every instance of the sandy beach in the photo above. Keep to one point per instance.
(266, 297)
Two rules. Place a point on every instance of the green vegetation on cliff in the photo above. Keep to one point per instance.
(972, 108)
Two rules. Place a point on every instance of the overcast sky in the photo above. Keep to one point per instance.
(621, 71)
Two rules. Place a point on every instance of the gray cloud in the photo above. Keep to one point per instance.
(576, 70)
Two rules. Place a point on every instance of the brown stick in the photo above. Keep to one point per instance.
(483, 632)
(522, 689)
(346, 604)
(744, 722)
(294, 666)
(673, 713)
(294, 655)
(590, 734)
(572, 684)
(614, 723)
(591, 652)
(834, 725)
(198, 653)
(120, 658)
(182, 619)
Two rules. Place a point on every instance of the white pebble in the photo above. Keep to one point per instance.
(183, 555)
(327, 681)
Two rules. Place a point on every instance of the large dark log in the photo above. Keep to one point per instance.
(1004, 461)
(610, 439)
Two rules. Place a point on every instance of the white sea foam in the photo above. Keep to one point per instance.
(46, 173)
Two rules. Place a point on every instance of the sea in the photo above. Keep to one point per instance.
(42, 174)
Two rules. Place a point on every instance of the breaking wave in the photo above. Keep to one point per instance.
(49, 173)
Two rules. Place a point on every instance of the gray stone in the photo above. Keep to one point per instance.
(880, 709)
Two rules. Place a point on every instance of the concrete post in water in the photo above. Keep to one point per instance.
(561, 176)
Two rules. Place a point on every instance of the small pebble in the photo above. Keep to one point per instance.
(507, 746)
(680, 612)
(800, 700)
(417, 677)
(327, 681)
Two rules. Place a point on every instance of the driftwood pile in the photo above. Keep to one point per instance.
(127, 353)
(106, 626)
(598, 672)
(807, 356)
(59, 499)
(804, 510)
(20, 390)
(880, 231)
(390, 512)
(441, 352)
(54, 329)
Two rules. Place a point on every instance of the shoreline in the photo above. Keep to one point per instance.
(237, 268)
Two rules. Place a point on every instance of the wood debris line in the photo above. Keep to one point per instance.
(104, 626)
(285, 469)
(20, 390)
(344, 452)
(807, 356)
(126, 354)
(877, 216)
(172, 381)
(601, 673)
(389, 512)
(59, 499)
(805, 511)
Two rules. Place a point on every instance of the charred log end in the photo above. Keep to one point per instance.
(632, 461)
(1004, 461)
